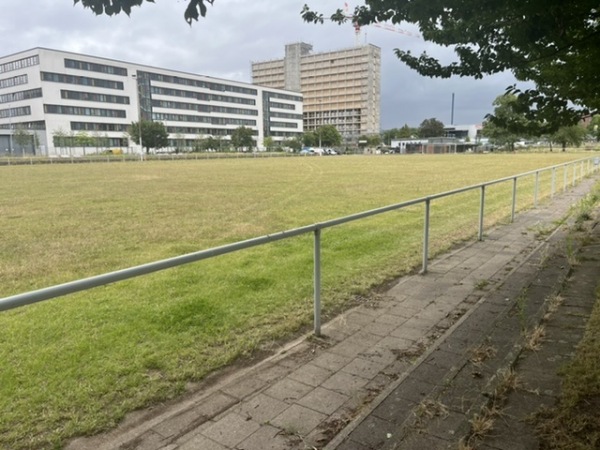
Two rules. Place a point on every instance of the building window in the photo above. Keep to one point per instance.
(80, 111)
(15, 112)
(92, 97)
(93, 67)
(13, 81)
(83, 81)
(21, 95)
(20, 64)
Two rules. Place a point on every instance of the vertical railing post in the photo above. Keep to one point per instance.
(481, 212)
(426, 235)
(514, 200)
(565, 167)
(553, 188)
(574, 171)
(536, 189)
(581, 175)
(317, 283)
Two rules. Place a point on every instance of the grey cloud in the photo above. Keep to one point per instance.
(237, 32)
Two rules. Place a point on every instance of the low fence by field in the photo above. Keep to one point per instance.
(559, 177)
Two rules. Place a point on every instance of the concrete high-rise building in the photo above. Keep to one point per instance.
(340, 88)
(60, 97)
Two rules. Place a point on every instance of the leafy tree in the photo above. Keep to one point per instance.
(431, 128)
(242, 137)
(82, 139)
(269, 143)
(194, 9)
(59, 138)
(508, 124)
(310, 139)
(329, 136)
(594, 128)
(405, 132)
(23, 138)
(553, 43)
(371, 141)
(295, 144)
(154, 134)
(572, 135)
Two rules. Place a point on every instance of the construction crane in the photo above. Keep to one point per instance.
(382, 25)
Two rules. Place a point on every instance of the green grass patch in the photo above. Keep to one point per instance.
(76, 365)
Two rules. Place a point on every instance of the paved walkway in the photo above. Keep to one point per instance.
(406, 370)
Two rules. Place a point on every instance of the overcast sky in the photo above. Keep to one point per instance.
(236, 32)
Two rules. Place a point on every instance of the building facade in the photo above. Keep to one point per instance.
(340, 88)
(57, 97)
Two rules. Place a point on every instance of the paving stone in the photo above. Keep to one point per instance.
(273, 372)
(372, 432)
(242, 388)
(345, 383)
(331, 361)
(352, 445)
(201, 442)
(415, 441)
(414, 388)
(288, 390)
(311, 374)
(379, 355)
(298, 419)
(364, 368)
(323, 400)
(382, 329)
(266, 438)
(261, 408)
(349, 348)
(450, 427)
(395, 409)
(231, 430)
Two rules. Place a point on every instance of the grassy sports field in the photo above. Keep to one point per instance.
(76, 365)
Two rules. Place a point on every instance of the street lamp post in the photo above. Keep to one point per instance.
(139, 101)
(10, 130)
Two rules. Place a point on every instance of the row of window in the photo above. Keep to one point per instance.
(79, 111)
(15, 112)
(33, 125)
(282, 106)
(21, 95)
(92, 97)
(202, 96)
(203, 131)
(203, 108)
(20, 64)
(83, 81)
(284, 124)
(285, 134)
(93, 67)
(92, 126)
(280, 96)
(285, 115)
(13, 81)
(202, 84)
(202, 119)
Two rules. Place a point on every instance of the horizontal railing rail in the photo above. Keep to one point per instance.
(586, 166)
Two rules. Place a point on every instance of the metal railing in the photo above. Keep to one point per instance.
(580, 168)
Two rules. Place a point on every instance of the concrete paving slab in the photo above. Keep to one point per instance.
(298, 419)
(231, 430)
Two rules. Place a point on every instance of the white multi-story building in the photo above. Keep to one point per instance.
(340, 88)
(60, 97)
